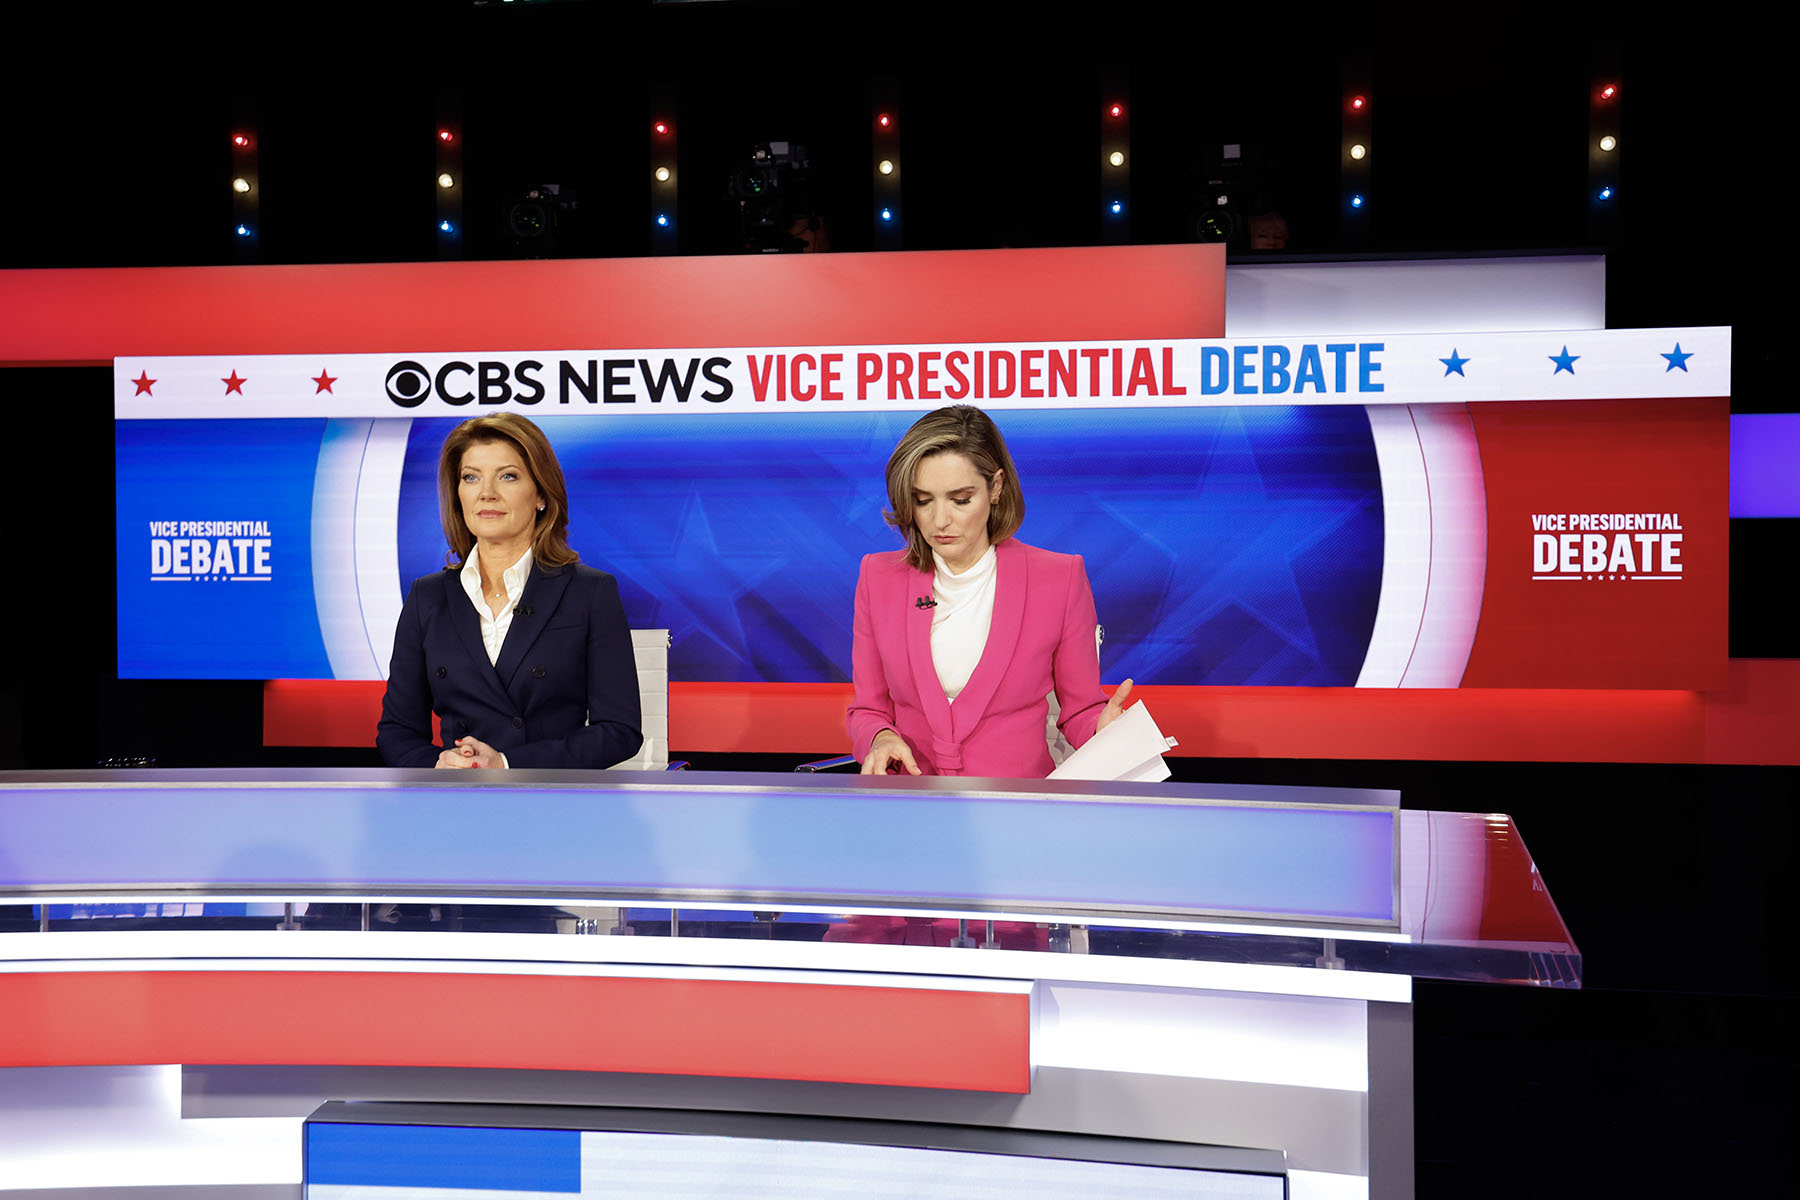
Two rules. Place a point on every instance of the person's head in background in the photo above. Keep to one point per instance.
(1268, 231)
(810, 230)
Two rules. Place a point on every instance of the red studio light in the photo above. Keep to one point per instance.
(1609, 91)
(661, 127)
(1358, 103)
(239, 140)
(885, 121)
(1116, 110)
(444, 135)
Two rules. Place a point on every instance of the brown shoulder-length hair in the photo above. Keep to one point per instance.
(549, 541)
(960, 429)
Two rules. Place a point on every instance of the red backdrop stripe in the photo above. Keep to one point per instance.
(1751, 720)
(980, 1041)
(1075, 293)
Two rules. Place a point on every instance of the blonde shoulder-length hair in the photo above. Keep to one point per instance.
(550, 538)
(960, 429)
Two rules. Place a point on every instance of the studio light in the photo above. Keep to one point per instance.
(1356, 201)
(1608, 142)
(445, 181)
(1358, 152)
(1116, 159)
(662, 174)
(240, 184)
(885, 166)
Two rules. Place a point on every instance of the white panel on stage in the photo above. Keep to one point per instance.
(1479, 295)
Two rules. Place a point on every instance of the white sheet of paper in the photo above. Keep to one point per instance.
(1130, 749)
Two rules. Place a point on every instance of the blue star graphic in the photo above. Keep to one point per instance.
(1243, 567)
(1564, 361)
(702, 586)
(1677, 359)
(1454, 364)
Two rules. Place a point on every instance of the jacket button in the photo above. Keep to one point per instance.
(537, 672)
(442, 672)
(518, 722)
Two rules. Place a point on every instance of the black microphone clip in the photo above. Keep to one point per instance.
(522, 611)
(925, 602)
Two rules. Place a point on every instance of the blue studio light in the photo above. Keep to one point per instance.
(243, 231)
(1117, 207)
(1606, 193)
(887, 214)
(1356, 201)
(446, 227)
(662, 219)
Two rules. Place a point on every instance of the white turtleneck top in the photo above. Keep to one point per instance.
(959, 623)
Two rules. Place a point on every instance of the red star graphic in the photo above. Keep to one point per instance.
(143, 382)
(233, 383)
(324, 381)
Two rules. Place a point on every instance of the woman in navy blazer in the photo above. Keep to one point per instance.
(524, 654)
(954, 495)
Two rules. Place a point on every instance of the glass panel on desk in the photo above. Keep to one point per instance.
(1473, 907)
(1278, 876)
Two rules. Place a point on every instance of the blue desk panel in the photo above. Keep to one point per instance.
(1091, 847)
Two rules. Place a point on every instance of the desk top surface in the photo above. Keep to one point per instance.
(1263, 867)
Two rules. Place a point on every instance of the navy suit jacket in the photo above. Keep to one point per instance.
(563, 693)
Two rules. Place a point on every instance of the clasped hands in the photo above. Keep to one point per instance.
(890, 755)
(470, 752)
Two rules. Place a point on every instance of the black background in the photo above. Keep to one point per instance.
(1674, 879)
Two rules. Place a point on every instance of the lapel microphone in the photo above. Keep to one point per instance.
(924, 602)
(522, 611)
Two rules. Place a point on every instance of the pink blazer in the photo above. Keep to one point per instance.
(1042, 637)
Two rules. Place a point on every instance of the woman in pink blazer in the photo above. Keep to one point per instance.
(961, 636)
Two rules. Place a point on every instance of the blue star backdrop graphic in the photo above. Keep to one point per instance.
(1454, 364)
(1677, 359)
(1224, 545)
(1564, 361)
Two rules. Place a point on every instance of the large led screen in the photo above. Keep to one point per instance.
(1529, 510)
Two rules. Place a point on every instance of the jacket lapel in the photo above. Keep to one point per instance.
(467, 623)
(918, 649)
(543, 592)
(1010, 586)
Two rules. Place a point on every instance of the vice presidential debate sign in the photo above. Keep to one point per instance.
(1475, 510)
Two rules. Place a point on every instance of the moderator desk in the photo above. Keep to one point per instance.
(1221, 966)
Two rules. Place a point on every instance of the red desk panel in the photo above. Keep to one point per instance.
(838, 1033)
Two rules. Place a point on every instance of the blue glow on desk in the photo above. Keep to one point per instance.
(695, 838)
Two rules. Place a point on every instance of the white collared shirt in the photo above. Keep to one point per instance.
(960, 622)
(493, 629)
